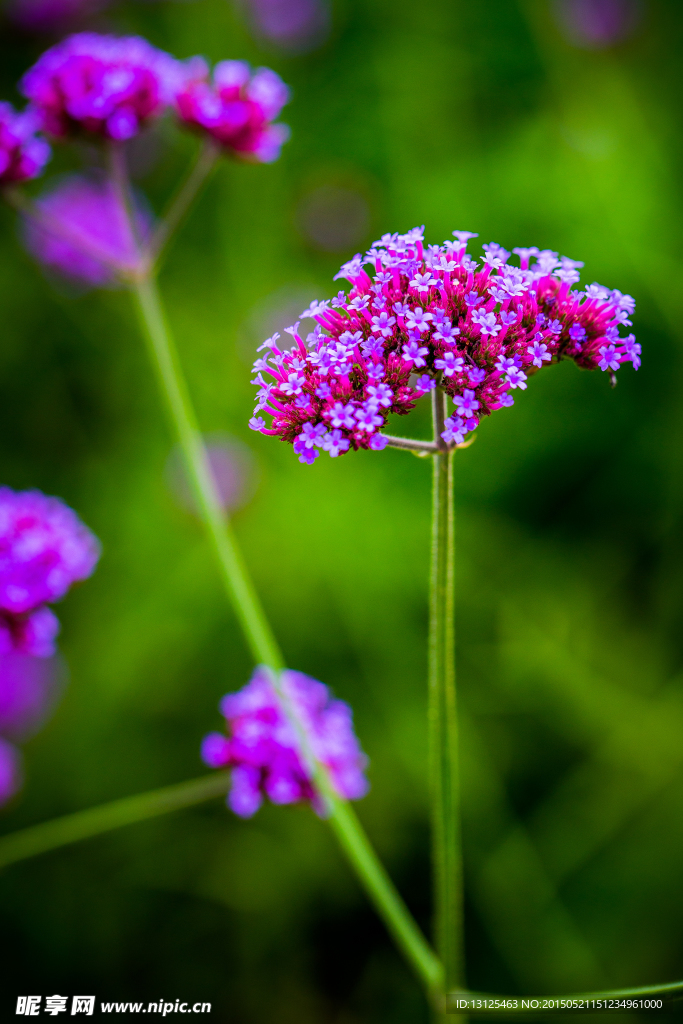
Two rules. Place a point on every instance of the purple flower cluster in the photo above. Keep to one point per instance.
(111, 87)
(262, 748)
(426, 316)
(91, 241)
(44, 549)
(102, 85)
(237, 108)
(22, 154)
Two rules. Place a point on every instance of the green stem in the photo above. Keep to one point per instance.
(443, 724)
(384, 896)
(374, 879)
(419, 447)
(50, 835)
(240, 589)
(343, 821)
(182, 201)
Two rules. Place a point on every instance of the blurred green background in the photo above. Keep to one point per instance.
(487, 116)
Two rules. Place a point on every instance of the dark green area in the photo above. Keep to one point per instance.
(569, 560)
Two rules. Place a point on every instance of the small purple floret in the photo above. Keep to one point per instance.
(262, 748)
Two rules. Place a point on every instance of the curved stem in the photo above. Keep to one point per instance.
(343, 821)
(183, 199)
(50, 835)
(248, 609)
(443, 724)
(475, 1003)
(118, 173)
(421, 447)
(240, 589)
(385, 897)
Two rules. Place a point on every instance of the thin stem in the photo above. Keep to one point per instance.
(421, 447)
(439, 418)
(374, 879)
(50, 835)
(384, 896)
(443, 725)
(425, 447)
(474, 1003)
(240, 589)
(183, 199)
(118, 173)
(262, 642)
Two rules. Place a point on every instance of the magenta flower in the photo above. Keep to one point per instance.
(479, 330)
(262, 747)
(237, 108)
(101, 85)
(86, 235)
(44, 549)
(22, 154)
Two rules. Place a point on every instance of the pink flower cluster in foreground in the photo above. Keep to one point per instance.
(421, 316)
(44, 549)
(262, 747)
(111, 87)
(22, 154)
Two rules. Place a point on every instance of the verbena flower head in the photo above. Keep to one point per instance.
(262, 748)
(236, 108)
(22, 154)
(44, 549)
(102, 85)
(420, 316)
(92, 241)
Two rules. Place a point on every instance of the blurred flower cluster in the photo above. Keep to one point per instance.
(427, 316)
(44, 550)
(596, 24)
(291, 26)
(108, 88)
(111, 87)
(22, 153)
(84, 233)
(263, 750)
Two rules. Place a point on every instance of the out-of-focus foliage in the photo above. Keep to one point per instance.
(456, 115)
